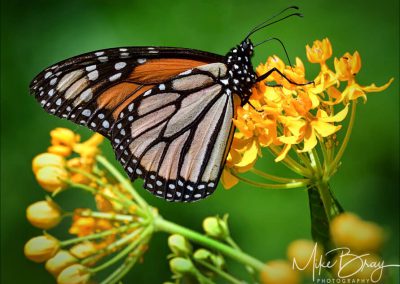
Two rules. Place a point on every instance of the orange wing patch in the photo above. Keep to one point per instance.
(156, 71)
(143, 78)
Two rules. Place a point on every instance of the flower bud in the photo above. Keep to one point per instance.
(41, 248)
(349, 231)
(74, 274)
(181, 266)
(47, 159)
(43, 214)
(83, 250)
(179, 245)
(279, 272)
(50, 178)
(216, 227)
(61, 150)
(59, 262)
(202, 254)
(205, 255)
(301, 253)
(63, 136)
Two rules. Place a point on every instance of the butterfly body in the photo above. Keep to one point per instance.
(167, 111)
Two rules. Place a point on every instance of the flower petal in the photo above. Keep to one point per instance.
(228, 180)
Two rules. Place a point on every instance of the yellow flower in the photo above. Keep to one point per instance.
(106, 200)
(82, 226)
(59, 262)
(61, 150)
(44, 214)
(79, 163)
(41, 248)
(83, 249)
(320, 51)
(300, 251)
(311, 128)
(89, 149)
(347, 68)
(51, 178)
(279, 272)
(272, 62)
(360, 268)
(354, 91)
(47, 159)
(350, 231)
(74, 274)
(64, 136)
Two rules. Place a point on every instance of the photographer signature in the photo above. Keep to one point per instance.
(344, 258)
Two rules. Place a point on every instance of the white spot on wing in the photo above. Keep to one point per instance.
(119, 65)
(93, 75)
(86, 112)
(105, 124)
(115, 77)
(91, 68)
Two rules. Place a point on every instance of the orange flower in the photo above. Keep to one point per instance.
(320, 51)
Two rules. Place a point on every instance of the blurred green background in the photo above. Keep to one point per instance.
(38, 33)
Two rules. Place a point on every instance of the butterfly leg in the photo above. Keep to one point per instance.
(262, 77)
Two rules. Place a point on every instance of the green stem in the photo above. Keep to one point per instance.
(269, 185)
(142, 235)
(86, 174)
(290, 163)
(166, 226)
(98, 235)
(325, 154)
(105, 215)
(125, 183)
(336, 161)
(276, 178)
(219, 272)
(233, 244)
(96, 191)
(120, 271)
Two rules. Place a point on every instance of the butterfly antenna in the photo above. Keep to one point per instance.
(271, 18)
(281, 43)
(274, 22)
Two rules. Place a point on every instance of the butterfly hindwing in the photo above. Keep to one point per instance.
(93, 88)
(175, 135)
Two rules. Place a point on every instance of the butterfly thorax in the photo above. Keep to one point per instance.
(240, 70)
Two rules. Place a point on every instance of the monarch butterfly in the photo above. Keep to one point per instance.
(167, 111)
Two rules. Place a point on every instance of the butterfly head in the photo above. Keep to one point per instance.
(241, 74)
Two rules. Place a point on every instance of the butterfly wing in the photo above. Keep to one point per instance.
(177, 134)
(167, 112)
(93, 88)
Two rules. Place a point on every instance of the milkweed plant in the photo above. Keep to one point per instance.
(297, 124)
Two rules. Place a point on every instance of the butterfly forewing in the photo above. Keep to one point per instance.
(175, 135)
(93, 88)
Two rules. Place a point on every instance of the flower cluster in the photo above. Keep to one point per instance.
(283, 117)
(116, 228)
